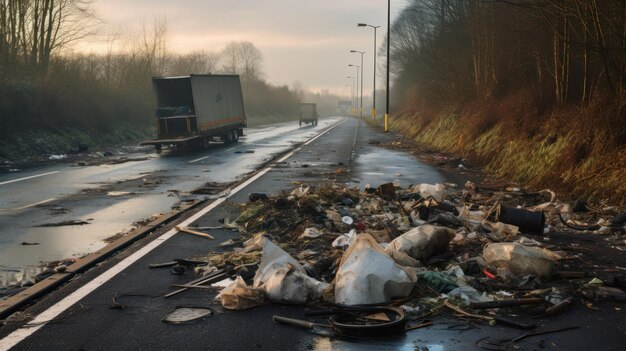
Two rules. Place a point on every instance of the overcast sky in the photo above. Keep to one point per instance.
(301, 40)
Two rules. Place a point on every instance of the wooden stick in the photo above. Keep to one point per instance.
(191, 231)
(467, 314)
(194, 286)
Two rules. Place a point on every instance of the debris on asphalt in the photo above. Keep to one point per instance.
(187, 314)
(194, 232)
(490, 256)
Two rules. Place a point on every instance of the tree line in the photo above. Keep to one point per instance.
(569, 51)
(44, 84)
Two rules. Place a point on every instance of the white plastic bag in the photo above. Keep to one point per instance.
(283, 279)
(437, 191)
(422, 242)
(367, 275)
(520, 260)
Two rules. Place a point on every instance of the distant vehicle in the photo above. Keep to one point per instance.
(193, 110)
(308, 113)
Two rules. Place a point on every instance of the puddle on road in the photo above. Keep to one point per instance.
(376, 166)
(56, 243)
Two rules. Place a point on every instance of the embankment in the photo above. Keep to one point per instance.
(576, 150)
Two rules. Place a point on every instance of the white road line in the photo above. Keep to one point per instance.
(198, 159)
(43, 318)
(230, 149)
(27, 206)
(30, 177)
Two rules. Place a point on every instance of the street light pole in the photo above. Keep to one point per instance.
(375, 52)
(388, 78)
(360, 52)
(357, 82)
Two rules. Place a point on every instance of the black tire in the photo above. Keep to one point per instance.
(235, 135)
(300, 123)
(205, 143)
(157, 147)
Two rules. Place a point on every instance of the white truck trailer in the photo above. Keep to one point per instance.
(195, 109)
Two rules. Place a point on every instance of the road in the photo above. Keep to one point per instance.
(345, 146)
(111, 197)
(78, 316)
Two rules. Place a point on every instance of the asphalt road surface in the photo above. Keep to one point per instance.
(111, 196)
(78, 316)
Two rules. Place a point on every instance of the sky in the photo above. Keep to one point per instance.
(308, 41)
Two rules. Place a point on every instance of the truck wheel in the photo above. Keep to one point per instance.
(157, 147)
(315, 123)
(205, 143)
(300, 123)
(235, 135)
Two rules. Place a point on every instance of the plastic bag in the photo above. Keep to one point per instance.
(240, 296)
(367, 275)
(422, 242)
(289, 285)
(520, 260)
(437, 191)
(283, 279)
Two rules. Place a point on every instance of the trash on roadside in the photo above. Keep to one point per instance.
(422, 242)
(520, 260)
(283, 279)
(367, 275)
(187, 314)
(311, 233)
(239, 296)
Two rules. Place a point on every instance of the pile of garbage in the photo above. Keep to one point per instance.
(480, 254)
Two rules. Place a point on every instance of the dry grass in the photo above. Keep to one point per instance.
(578, 150)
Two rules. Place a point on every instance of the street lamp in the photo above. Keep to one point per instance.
(357, 80)
(375, 52)
(388, 41)
(352, 94)
(360, 52)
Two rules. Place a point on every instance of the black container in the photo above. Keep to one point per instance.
(527, 221)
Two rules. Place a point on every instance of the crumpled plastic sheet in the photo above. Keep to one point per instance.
(367, 275)
(422, 242)
(283, 279)
(521, 260)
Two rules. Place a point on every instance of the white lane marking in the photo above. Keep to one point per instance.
(230, 149)
(198, 159)
(27, 206)
(43, 318)
(30, 177)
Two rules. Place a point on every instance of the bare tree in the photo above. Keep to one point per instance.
(242, 58)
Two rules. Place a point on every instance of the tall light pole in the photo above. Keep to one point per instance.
(375, 52)
(352, 92)
(360, 52)
(388, 78)
(357, 81)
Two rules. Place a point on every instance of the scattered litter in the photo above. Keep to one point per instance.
(187, 314)
(194, 232)
(367, 275)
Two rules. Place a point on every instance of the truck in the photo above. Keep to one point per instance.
(193, 110)
(308, 113)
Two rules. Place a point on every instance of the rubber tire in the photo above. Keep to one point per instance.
(235, 136)
(157, 147)
(300, 123)
(205, 143)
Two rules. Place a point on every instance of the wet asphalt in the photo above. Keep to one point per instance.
(112, 196)
(91, 324)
